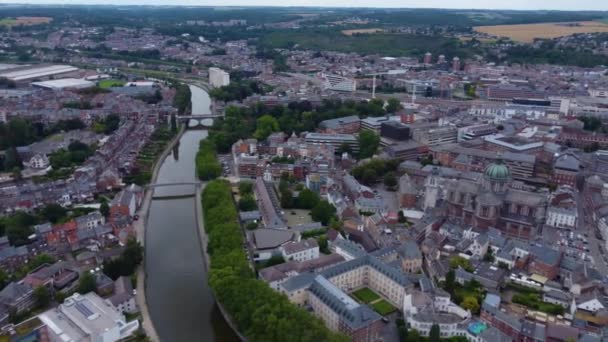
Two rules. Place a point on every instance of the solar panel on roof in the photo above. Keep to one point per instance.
(83, 309)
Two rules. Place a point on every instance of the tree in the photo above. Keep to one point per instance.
(16, 173)
(3, 279)
(470, 303)
(41, 259)
(368, 144)
(323, 212)
(104, 208)
(265, 126)
(247, 203)
(54, 212)
(489, 257)
(245, 188)
(393, 105)
(87, 283)
(458, 261)
(307, 199)
(434, 334)
(450, 281)
(390, 180)
(42, 297)
(344, 148)
(286, 199)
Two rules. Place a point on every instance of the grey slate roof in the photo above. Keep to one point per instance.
(351, 312)
(271, 238)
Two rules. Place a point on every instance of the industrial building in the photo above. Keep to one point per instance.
(64, 83)
(27, 73)
(218, 77)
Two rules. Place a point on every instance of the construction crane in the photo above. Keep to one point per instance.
(390, 72)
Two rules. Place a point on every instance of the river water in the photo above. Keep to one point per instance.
(180, 301)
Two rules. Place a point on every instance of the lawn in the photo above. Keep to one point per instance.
(365, 295)
(534, 301)
(383, 307)
(105, 84)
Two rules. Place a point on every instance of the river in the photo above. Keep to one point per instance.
(179, 300)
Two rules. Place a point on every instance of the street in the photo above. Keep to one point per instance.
(586, 226)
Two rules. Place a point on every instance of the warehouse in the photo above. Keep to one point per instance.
(64, 83)
(27, 73)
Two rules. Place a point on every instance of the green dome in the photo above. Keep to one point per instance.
(498, 171)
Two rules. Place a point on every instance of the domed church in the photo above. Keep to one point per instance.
(492, 202)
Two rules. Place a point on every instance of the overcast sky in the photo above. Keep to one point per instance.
(495, 4)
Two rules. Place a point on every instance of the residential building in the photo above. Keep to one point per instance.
(17, 297)
(301, 251)
(344, 125)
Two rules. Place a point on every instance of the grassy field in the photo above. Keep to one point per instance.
(365, 295)
(383, 307)
(8, 21)
(104, 84)
(528, 32)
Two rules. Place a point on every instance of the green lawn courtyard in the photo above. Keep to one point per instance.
(367, 296)
(383, 307)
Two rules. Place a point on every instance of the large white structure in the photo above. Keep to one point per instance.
(218, 77)
(561, 217)
(431, 190)
(339, 83)
(87, 318)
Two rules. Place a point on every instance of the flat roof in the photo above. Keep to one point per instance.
(64, 83)
(34, 71)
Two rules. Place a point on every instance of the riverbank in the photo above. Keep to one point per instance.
(204, 241)
(140, 229)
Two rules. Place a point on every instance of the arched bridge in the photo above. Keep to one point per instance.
(197, 117)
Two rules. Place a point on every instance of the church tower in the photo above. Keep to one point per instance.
(431, 190)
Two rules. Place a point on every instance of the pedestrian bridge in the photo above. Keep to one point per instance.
(195, 186)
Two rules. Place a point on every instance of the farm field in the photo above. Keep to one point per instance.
(25, 21)
(362, 31)
(526, 33)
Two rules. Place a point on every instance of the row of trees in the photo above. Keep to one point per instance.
(20, 132)
(183, 98)
(375, 170)
(302, 116)
(260, 313)
(76, 153)
(125, 265)
(207, 165)
(237, 91)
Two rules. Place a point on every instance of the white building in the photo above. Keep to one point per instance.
(339, 83)
(300, 251)
(87, 318)
(561, 217)
(218, 77)
(39, 161)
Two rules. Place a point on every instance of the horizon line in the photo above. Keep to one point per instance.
(101, 4)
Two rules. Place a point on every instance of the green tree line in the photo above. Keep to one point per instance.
(259, 312)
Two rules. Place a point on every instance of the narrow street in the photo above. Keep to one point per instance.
(585, 225)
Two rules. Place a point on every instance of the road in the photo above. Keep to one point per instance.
(585, 225)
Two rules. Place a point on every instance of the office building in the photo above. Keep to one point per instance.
(335, 140)
(436, 136)
(218, 77)
(395, 130)
(87, 318)
(339, 83)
